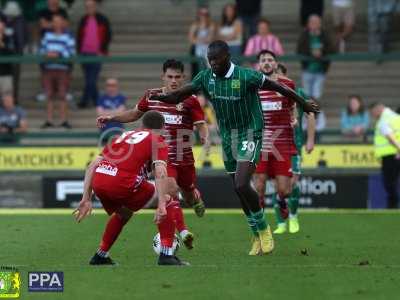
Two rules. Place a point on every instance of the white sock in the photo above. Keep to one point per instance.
(102, 253)
(183, 233)
(167, 250)
(291, 216)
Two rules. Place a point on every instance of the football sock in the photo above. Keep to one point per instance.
(277, 211)
(252, 224)
(167, 250)
(112, 231)
(102, 253)
(293, 202)
(167, 229)
(179, 219)
(259, 218)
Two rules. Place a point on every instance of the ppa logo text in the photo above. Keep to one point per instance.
(46, 281)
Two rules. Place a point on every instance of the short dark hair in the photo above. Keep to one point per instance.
(283, 68)
(174, 65)
(264, 20)
(265, 51)
(153, 120)
(219, 45)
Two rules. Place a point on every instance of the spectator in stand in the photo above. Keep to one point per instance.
(343, 20)
(249, 13)
(201, 33)
(16, 30)
(57, 43)
(314, 43)
(231, 30)
(46, 15)
(310, 7)
(12, 119)
(94, 37)
(6, 69)
(111, 102)
(263, 40)
(210, 118)
(354, 119)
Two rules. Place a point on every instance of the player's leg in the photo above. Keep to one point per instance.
(283, 189)
(249, 196)
(260, 179)
(177, 213)
(294, 196)
(186, 180)
(167, 233)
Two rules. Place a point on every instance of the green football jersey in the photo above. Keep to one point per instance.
(298, 130)
(234, 98)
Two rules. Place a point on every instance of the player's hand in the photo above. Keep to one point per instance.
(102, 120)
(310, 146)
(84, 209)
(311, 107)
(293, 121)
(161, 214)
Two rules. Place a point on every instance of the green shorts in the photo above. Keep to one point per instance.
(296, 164)
(240, 147)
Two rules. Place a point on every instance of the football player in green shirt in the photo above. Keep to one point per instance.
(233, 92)
(294, 197)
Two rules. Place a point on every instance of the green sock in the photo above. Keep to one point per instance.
(260, 219)
(293, 202)
(278, 216)
(252, 224)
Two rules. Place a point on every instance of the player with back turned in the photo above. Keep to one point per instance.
(233, 92)
(118, 178)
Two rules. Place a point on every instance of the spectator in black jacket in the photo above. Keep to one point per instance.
(94, 37)
(249, 12)
(315, 44)
(46, 15)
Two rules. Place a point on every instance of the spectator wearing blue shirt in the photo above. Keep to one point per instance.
(12, 119)
(354, 119)
(111, 102)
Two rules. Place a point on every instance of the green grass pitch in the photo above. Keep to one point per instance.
(337, 255)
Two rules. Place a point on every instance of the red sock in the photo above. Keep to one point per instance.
(112, 231)
(179, 219)
(167, 228)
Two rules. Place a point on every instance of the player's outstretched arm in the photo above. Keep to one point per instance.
(175, 97)
(127, 116)
(310, 132)
(85, 206)
(160, 175)
(309, 106)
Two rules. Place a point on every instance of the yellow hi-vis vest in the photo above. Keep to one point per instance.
(382, 145)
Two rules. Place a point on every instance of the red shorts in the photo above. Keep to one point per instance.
(114, 198)
(273, 167)
(185, 176)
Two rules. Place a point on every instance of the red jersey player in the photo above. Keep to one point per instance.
(278, 142)
(118, 178)
(179, 122)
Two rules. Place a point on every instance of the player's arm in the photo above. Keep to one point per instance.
(310, 132)
(85, 206)
(202, 127)
(161, 181)
(177, 96)
(391, 138)
(127, 116)
(309, 106)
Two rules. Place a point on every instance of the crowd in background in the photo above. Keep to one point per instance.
(43, 27)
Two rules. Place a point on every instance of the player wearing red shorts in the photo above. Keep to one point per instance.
(179, 122)
(118, 179)
(278, 142)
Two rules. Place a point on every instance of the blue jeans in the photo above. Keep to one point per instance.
(91, 72)
(313, 84)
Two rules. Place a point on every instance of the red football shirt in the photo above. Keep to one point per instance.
(277, 111)
(125, 159)
(179, 121)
